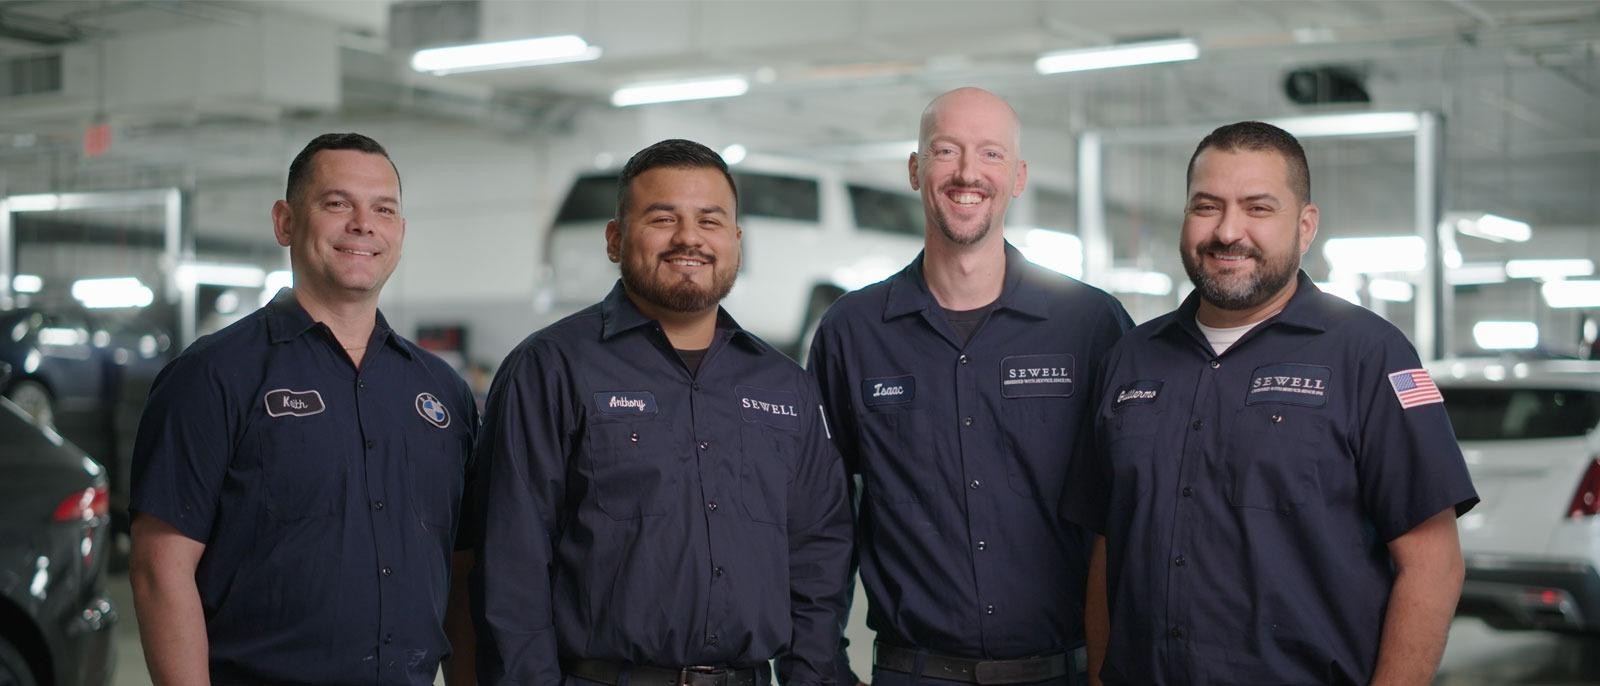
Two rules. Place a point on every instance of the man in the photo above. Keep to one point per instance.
(662, 504)
(297, 474)
(1278, 482)
(954, 389)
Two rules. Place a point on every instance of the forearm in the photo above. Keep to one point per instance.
(172, 627)
(1421, 604)
(1096, 611)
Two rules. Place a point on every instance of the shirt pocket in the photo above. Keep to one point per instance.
(304, 464)
(765, 472)
(1040, 434)
(1271, 460)
(635, 467)
(1127, 444)
(437, 472)
(892, 465)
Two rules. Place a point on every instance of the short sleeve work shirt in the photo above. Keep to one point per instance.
(1248, 498)
(326, 496)
(964, 447)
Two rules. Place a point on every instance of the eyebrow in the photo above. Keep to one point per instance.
(669, 207)
(1202, 195)
(347, 195)
(985, 143)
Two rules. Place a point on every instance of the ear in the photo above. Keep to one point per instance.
(1309, 216)
(911, 169)
(1022, 179)
(282, 214)
(614, 241)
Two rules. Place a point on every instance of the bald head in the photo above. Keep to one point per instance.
(971, 102)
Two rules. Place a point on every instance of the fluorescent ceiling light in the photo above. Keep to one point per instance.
(1549, 269)
(1475, 274)
(40, 202)
(1391, 290)
(1492, 227)
(674, 91)
(1138, 281)
(1057, 251)
(734, 154)
(510, 54)
(1353, 124)
(1127, 55)
(1376, 254)
(1344, 291)
(112, 292)
(1571, 293)
(237, 275)
(1506, 335)
(27, 283)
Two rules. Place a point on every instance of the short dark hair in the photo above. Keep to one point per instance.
(673, 153)
(1257, 136)
(300, 168)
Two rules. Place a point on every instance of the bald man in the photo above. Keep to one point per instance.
(958, 390)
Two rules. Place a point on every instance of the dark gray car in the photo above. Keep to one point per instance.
(55, 619)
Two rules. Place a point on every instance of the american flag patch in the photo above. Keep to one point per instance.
(1414, 387)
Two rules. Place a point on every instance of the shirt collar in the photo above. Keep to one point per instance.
(1306, 309)
(908, 290)
(287, 320)
(618, 314)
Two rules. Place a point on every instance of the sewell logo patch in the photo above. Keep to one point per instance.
(773, 408)
(625, 403)
(1289, 384)
(888, 390)
(1036, 376)
(283, 402)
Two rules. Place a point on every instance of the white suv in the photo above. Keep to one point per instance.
(1528, 429)
(809, 236)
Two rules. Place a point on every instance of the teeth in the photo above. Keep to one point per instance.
(688, 263)
(362, 253)
(966, 198)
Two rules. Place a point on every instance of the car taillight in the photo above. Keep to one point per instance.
(84, 506)
(1586, 502)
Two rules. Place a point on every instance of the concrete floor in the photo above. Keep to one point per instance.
(1476, 655)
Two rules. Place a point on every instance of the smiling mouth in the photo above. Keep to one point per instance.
(359, 253)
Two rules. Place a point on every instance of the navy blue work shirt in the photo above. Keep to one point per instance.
(1247, 498)
(965, 448)
(635, 513)
(326, 496)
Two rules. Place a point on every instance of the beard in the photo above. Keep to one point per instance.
(674, 293)
(941, 220)
(1240, 292)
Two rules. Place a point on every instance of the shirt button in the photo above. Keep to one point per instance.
(963, 359)
(975, 484)
(377, 504)
(1179, 561)
(711, 639)
(1198, 423)
(1188, 492)
(988, 609)
(1215, 364)
(361, 383)
(370, 444)
(1277, 418)
(983, 545)
(694, 386)
(634, 437)
(712, 506)
(705, 445)
(716, 571)
(387, 571)
(966, 421)
(1176, 632)
(388, 638)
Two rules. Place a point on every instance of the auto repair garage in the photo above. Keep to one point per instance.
(1453, 147)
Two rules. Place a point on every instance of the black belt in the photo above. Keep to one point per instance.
(1026, 670)
(608, 672)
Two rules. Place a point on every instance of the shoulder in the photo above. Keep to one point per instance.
(234, 347)
(1069, 296)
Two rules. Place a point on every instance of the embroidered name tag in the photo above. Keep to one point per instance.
(1289, 384)
(286, 403)
(778, 409)
(888, 390)
(625, 403)
(1142, 392)
(1033, 376)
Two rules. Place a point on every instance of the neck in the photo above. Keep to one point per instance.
(965, 277)
(685, 330)
(351, 321)
(1218, 318)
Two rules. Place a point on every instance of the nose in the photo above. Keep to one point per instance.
(1230, 227)
(687, 233)
(966, 169)
(361, 219)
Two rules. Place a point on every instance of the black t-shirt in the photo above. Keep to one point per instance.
(966, 322)
(691, 359)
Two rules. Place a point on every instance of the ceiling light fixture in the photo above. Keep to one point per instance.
(512, 54)
(1549, 270)
(651, 92)
(1112, 56)
(1493, 227)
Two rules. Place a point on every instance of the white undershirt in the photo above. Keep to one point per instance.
(1222, 339)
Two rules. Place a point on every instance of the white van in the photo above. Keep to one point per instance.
(809, 236)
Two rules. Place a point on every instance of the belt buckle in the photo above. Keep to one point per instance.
(693, 674)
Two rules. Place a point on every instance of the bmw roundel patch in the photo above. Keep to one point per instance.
(432, 410)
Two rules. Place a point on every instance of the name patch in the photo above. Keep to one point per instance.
(778, 409)
(1289, 384)
(283, 402)
(1142, 392)
(888, 390)
(1035, 376)
(625, 403)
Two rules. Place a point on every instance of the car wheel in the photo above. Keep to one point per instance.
(14, 669)
(32, 397)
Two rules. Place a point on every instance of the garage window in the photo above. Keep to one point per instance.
(1495, 414)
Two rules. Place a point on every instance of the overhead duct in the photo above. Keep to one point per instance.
(1326, 85)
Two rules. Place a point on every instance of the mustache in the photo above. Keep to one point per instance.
(1220, 249)
(688, 253)
(981, 187)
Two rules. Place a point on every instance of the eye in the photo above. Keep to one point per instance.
(994, 155)
(1203, 208)
(387, 210)
(944, 152)
(336, 204)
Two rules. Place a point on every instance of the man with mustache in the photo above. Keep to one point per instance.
(662, 504)
(296, 475)
(1276, 481)
(957, 389)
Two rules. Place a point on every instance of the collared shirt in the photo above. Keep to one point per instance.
(326, 496)
(964, 448)
(636, 513)
(1248, 498)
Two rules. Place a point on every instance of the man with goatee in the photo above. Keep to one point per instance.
(662, 504)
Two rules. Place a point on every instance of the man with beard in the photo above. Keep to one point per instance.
(1276, 481)
(954, 389)
(662, 504)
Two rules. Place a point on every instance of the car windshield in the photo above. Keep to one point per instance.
(880, 210)
(593, 199)
(1509, 414)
